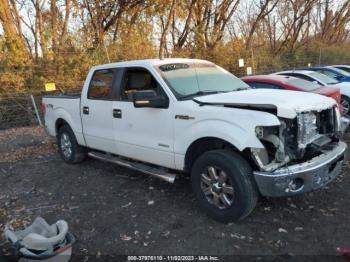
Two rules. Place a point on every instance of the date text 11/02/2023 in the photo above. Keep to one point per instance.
(173, 258)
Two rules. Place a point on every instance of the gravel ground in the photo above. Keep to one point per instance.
(115, 211)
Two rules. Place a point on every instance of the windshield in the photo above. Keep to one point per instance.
(324, 78)
(341, 71)
(302, 84)
(193, 79)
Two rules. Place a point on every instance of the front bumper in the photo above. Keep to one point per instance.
(304, 177)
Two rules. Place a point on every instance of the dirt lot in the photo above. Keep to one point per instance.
(115, 211)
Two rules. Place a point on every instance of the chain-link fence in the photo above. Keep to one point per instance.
(20, 109)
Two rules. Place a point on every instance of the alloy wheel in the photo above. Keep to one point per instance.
(66, 145)
(217, 187)
(346, 106)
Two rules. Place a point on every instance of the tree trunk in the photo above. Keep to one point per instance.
(162, 43)
(10, 27)
(54, 37)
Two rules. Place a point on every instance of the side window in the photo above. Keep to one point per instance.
(304, 77)
(136, 80)
(289, 74)
(101, 84)
(301, 76)
(263, 85)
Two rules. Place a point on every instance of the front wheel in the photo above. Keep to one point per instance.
(68, 147)
(345, 102)
(223, 185)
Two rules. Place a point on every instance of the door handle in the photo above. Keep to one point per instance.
(117, 113)
(85, 110)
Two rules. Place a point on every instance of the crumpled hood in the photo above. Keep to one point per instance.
(286, 103)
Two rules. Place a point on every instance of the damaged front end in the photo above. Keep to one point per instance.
(292, 149)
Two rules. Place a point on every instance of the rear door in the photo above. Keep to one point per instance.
(144, 134)
(96, 110)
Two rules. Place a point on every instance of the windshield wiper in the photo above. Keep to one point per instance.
(201, 93)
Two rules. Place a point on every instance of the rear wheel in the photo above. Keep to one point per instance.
(68, 147)
(345, 102)
(223, 185)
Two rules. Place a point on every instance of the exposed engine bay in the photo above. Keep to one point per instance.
(297, 140)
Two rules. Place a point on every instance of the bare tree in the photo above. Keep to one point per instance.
(264, 8)
(105, 14)
(165, 27)
(210, 21)
(332, 22)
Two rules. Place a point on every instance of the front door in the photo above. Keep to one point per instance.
(144, 134)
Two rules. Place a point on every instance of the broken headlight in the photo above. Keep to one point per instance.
(273, 143)
(307, 129)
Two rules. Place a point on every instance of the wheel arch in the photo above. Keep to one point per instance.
(59, 123)
(205, 144)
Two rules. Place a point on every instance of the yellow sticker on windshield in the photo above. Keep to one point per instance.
(50, 87)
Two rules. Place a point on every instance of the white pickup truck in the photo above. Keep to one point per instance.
(184, 116)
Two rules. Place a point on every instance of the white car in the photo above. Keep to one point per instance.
(171, 116)
(324, 80)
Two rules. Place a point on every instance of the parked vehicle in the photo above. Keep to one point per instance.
(324, 80)
(172, 116)
(335, 73)
(293, 84)
(342, 67)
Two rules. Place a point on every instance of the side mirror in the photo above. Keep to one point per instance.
(149, 98)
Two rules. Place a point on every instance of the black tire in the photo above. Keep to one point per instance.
(78, 153)
(344, 100)
(245, 193)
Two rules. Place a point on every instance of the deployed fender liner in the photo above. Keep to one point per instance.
(304, 177)
(257, 107)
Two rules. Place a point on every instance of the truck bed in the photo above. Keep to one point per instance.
(71, 95)
(65, 107)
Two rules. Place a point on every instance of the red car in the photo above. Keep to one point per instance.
(294, 84)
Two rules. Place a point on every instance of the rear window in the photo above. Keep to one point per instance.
(326, 79)
(263, 85)
(347, 69)
(341, 71)
(302, 84)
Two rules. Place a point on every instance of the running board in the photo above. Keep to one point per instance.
(156, 172)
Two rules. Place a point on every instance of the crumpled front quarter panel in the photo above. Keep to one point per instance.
(236, 126)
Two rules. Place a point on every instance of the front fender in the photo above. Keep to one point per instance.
(240, 133)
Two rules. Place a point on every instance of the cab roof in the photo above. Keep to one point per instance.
(150, 62)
